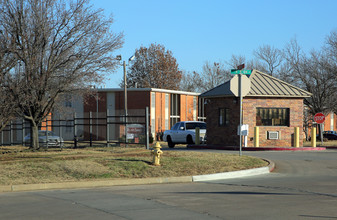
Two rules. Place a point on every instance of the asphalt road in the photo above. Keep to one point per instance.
(303, 186)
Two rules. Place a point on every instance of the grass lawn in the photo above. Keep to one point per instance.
(326, 143)
(18, 165)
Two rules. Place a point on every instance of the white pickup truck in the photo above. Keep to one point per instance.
(184, 133)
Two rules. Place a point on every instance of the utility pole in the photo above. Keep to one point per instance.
(125, 92)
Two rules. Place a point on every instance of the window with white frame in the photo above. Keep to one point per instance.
(175, 109)
(223, 116)
(153, 113)
(194, 108)
(201, 111)
(167, 111)
(332, 121)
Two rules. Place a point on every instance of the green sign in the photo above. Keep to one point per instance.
(235, 71)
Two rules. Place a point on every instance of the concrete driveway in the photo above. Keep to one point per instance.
(303, 186)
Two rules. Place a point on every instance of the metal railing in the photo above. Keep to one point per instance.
(87, 129)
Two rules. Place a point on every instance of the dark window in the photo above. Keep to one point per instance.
(223, 116)
(175, 109)
(68, 102)
(272, 116)
(201, 111)
(193, 125)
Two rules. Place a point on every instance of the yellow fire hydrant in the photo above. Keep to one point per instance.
(156, 154)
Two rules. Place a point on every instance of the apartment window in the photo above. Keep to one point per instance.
(332, 121)
(223, 116)
(272, 116)
(175, 109)
(194, 108)
(166, 111)
(153, 113)
(201, 111)
(69, 127)
(68, 102)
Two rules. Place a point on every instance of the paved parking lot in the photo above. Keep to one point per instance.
(303, 186)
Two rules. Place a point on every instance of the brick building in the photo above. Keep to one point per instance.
(166, 107)
(330, 123)
(275, 106)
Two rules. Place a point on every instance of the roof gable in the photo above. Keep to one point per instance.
(263, 85)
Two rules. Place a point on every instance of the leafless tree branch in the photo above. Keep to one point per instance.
(59, 46)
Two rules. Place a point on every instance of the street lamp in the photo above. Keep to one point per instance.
(119, 57)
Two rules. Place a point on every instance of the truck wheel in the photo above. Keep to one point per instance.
(169, 142)
(189, 139)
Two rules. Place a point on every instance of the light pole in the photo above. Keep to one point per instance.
(125, 91)
(119, 57)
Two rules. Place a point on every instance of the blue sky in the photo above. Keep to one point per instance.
(198, 31)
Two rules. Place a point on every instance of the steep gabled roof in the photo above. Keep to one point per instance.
(262, 85)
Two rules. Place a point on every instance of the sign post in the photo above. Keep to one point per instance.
(319, 118)
(241, 90)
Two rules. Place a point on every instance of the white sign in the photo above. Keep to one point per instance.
(245, 85)
(130, 136)
(244, 130)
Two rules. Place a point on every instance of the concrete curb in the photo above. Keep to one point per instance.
(210, 147)
(91, 184)
(236, 174)
(122, 182)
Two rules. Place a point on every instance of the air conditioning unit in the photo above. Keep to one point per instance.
(273, 135)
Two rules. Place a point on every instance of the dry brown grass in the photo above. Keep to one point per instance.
(20, 166)
(319, 143)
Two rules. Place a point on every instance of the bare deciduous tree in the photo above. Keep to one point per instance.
(332, 51)
(60, 46)
(273, 57)
(7, 111)
(7, 62)
(213, 74)
(235, 61)
(312, 73)
(332, 45)
(154, 67)
(191, 82)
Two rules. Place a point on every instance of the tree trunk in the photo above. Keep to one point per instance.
(306, 133)
(34, 136)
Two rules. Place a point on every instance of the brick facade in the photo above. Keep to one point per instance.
(222, 135)
(186, 108)
(140, 99)
(286, 134)
(160, 112)
(227, 135)
(330, 122)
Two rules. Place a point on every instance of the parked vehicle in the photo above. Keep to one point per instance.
(330, 132)
(184, 133)
(53, 140)
(327, 135)
(330, 136)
